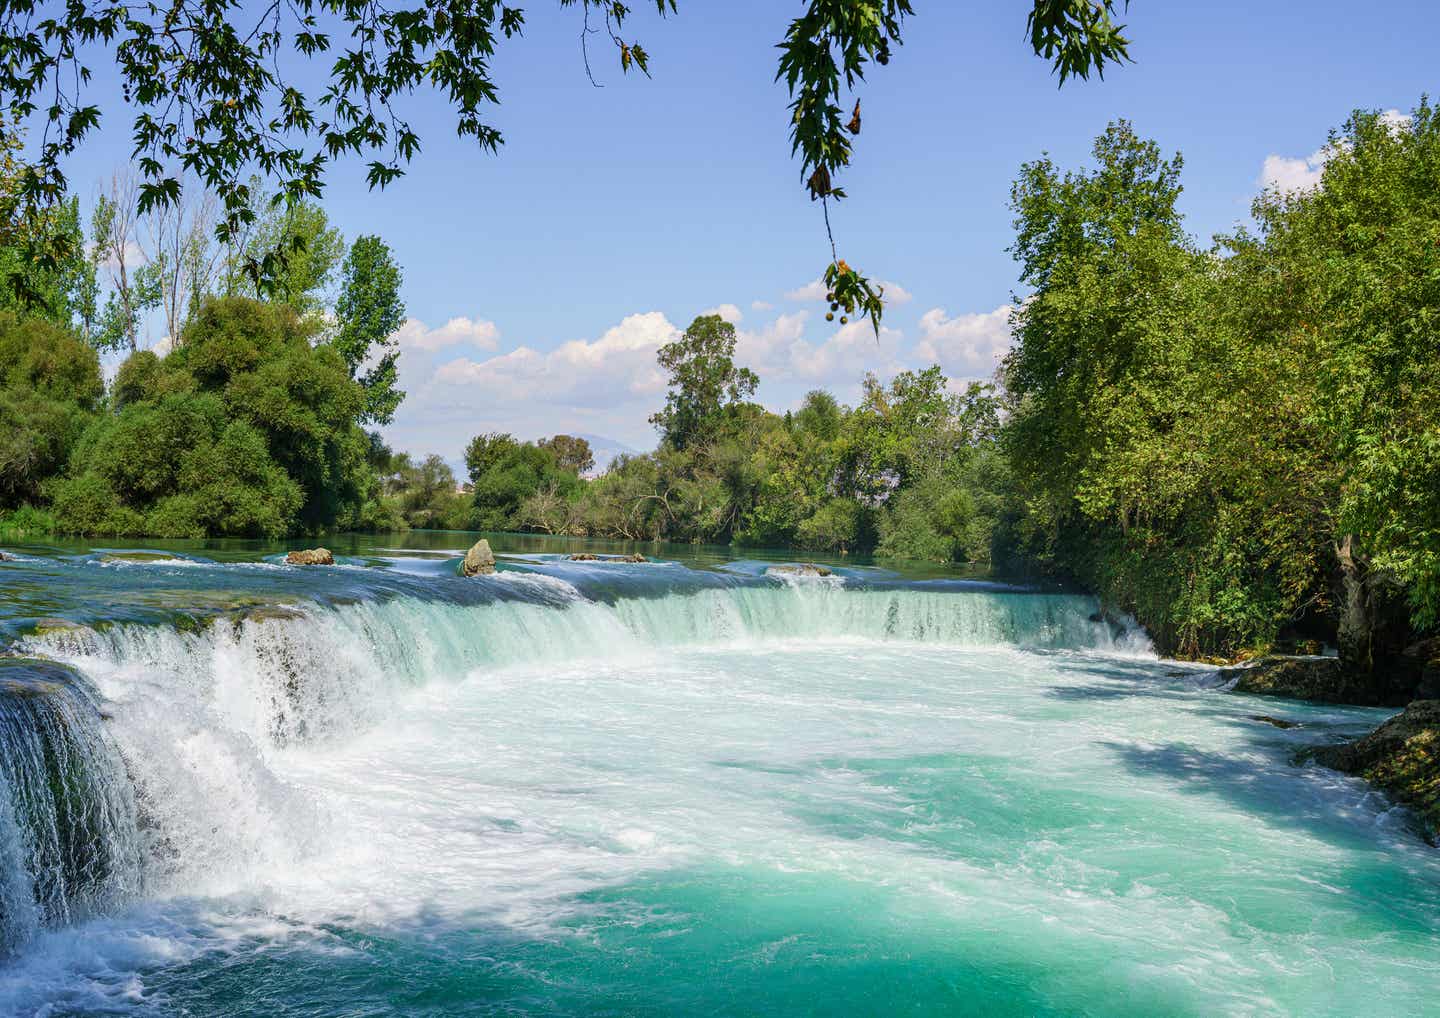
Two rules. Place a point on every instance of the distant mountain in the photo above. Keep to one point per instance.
(605, 450)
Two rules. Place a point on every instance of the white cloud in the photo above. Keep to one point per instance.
(416, 335)
(605, 386)
(895, 293)
(811, 291)
(617, 367)
(729, 312)
(968, 345)
(1283, 173)
(760, 305)
(780, 353)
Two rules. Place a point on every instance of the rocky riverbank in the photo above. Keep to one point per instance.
(1402, 756)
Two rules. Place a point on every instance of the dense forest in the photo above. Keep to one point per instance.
(1233, 439)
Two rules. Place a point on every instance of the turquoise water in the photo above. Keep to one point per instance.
(685, 788)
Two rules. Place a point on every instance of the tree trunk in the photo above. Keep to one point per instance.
(1356, 633)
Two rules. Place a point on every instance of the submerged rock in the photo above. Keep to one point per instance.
(1266, 719)
(62, 635)
(310, 557)
(801, 569)
(1402, 756)
(265, 613)
(585, 556)
(479, 560)
(138, 556)
(6, 557)
(1317, 679)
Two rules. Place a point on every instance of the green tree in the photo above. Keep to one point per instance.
(368, 312)
(572, 453)
(288, 252)
(246, 428)
(50, 387)
(705, 384)
(507, 474)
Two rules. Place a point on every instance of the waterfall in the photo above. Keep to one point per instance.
(182, 777)
(323, 671)
(68, 833)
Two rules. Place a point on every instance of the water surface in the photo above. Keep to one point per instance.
(688, 787)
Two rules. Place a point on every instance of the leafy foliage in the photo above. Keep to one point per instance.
(1236, 444)
(246, 429)
(705, 384)
(49, 387)
(369, 311)
(218, 88)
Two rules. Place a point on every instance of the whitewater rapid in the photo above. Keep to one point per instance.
(759, 797)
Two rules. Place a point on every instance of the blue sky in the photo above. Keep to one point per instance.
(539, 282)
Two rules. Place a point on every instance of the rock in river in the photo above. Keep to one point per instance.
(479, 560)
(1402, 756)
(1318, 679)
(310, 557)
(802, 569)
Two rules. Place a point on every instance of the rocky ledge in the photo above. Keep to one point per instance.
(1317, 679)
(585, 556)
(310, 557)
(802, 569)
(1402, 756)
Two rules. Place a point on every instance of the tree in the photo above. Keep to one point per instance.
(182, 255)
(297, 247)
(1344, 278)
(212, 91)
(572, 454)
(59, 287)
(506, 474)
(705, 385)
(135, 285)
(368, 312)
(49, 387)
(246, 428)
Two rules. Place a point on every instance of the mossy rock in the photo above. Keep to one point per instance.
(479, 560)
(802, 569)
(30, 677)
(267, 613)
(62, 633)
(1317, 679)
(139, 556)
(1402, 756)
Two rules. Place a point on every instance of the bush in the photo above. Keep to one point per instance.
(25, 523)
(88, 506)
(245, 429)
(839, 525)
(49, 386)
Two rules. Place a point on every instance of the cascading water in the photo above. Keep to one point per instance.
(68, 832)
(307, 673)
(670, 791)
